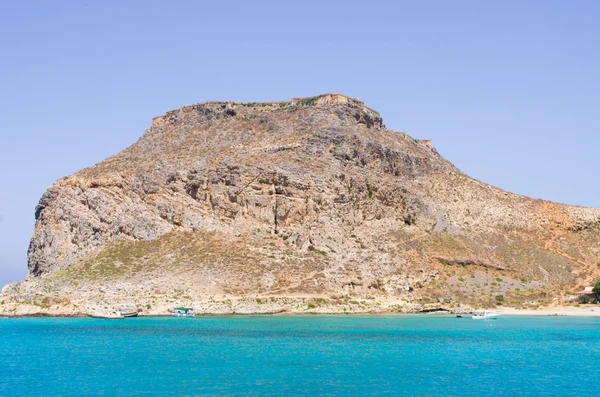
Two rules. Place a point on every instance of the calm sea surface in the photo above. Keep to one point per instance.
(300, 356)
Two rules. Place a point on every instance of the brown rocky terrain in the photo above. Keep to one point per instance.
(310, 205)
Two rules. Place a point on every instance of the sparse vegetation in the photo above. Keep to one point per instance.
(410, 219)
(312, 248)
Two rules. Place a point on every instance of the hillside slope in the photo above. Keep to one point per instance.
(308, 205)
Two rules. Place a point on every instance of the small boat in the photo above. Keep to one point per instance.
(126, 313)
(486, 314)
(182, 312)
(110, 316)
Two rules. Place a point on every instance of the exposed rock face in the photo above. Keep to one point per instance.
(292, 202)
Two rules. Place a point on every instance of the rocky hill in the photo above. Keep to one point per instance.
(310, 205)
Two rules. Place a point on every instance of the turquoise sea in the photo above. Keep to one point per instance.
(300, 356)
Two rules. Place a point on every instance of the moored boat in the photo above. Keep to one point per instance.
(487, 314)
(126, 313)
(110, 316)
(182, 312)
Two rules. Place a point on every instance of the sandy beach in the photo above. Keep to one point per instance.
(582, 311)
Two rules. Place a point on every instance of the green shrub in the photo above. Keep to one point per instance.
(500, 298)
(596, 290)
(585, 299)
(410, 219)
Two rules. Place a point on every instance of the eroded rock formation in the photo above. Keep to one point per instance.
(310, 205)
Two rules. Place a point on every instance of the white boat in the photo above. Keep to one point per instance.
(111, 316)
(182, 312)
(183, 315)
(486, 314)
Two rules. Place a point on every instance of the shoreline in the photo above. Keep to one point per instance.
(558, 311)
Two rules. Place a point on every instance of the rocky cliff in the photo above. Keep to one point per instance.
(308, 205)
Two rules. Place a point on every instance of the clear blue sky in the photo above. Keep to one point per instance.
(509, 91)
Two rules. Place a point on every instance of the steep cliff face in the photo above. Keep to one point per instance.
(297, 201)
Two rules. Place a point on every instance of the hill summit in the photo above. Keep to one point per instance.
(310, 205)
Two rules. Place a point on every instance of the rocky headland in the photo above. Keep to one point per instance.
(306, 206)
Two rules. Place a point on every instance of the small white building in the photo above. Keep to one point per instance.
(589, 291)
